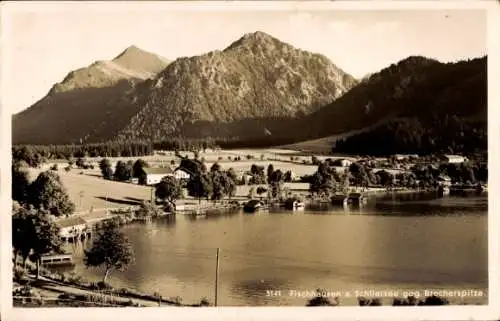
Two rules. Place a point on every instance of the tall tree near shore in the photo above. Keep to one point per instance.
(45, 238)
(20, 184)
(270, 171)
(229, 183)
(359, 175)
(168, 189)
(218, 185)
(200, 186)
(110, 248)
(276, 183)
(22, 233)
(34, 234)
(325, 181)
(48, 192)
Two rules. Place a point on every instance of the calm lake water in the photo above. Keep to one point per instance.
(409, 242)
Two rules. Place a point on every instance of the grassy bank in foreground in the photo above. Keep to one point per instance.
(61, 289)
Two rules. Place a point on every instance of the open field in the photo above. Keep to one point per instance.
(88, 190)
(223, 157)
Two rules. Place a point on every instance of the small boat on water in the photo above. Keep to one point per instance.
(253, 206)
(294, 204)
(443, 191)
(57, 260)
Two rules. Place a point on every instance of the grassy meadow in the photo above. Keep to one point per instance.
(87, 189)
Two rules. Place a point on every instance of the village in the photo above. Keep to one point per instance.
(98, 199)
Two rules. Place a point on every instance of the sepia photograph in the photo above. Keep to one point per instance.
(223, 154)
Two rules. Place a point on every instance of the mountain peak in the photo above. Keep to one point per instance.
(417, 60)
(138, 59)
(258, 35)
(255, 38)
(130, 51)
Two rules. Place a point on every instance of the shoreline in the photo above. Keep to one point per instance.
(53, 282)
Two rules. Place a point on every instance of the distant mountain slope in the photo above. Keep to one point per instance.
(418, 105)
(257, 77)
(89, 102)
(416, 87)
(255, 83)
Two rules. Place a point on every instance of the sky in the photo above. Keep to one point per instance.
(43, 44)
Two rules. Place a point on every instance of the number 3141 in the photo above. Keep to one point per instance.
(273, 293)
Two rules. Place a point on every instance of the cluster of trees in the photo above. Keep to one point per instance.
(326, 181)
(258, 175)
(449, 135)
(36, 154)
(464, 173)
(191, 144)
(124, 171)
(36, 204)
(35, 232)
(214, 184)
(46, 192)
(33, 235)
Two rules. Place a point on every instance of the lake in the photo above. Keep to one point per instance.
(407, 243)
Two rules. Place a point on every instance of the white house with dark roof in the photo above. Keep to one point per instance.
(154, 175)
(72, 226)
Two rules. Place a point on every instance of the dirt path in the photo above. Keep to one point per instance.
(49, 286)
